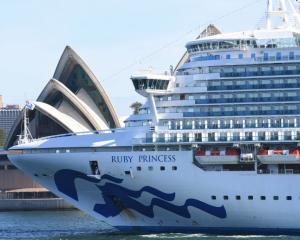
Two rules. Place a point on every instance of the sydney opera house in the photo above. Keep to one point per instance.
(72, 101)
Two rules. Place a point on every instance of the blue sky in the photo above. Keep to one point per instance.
(116, 38)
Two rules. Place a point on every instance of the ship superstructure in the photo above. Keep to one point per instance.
(215, 148)
(238, 94)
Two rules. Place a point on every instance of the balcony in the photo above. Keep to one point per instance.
(222, 139)
(247, 100)
(250, 86)
(240, 113)
(259, 73)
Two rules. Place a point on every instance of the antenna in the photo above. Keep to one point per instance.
(26, 137)
(286, 11)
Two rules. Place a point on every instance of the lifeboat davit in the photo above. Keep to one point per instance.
(218, 156)
(276, 156)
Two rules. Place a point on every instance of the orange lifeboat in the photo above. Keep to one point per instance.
(232, 152)
(295, 152)
(278, 152)
(262, 152)
(279, 156)
(200, 152)
(215, 152)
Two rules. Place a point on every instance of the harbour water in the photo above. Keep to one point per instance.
(68, 225)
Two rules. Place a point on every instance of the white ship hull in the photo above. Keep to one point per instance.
(164, 201)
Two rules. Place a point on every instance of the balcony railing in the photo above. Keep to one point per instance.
(233, 126)
(247, 99)
(241, 113)
(260, 73)
(221, 139)
(252, 86)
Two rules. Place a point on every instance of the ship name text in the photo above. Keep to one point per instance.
(145, 158)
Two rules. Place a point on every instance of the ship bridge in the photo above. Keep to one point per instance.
(146, 84)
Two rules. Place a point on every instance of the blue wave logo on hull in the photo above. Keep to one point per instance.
(118, 198)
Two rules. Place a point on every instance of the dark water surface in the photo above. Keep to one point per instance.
(68, 225)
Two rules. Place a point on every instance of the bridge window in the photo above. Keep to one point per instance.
(262, 197)
(144, 83)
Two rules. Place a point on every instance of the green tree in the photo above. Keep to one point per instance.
(2, 137)
(136, 107)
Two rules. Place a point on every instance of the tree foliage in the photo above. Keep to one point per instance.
(2, 137)
(136, 107)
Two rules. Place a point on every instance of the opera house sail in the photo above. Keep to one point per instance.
(72, 101)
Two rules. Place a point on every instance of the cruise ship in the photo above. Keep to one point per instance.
(215, 148)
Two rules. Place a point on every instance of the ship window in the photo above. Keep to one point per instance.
(289, 198)
(150, 168)
(162, 168)
(241, 56)
(240, 69)
(250, 197)
(262, 197)
(174, 168)
(275, 198)
(139, 168)
(228, 56)
(127, 172)
(252, 55)
(292, 67)
(213, 197)
(238, 197)
(226, 197)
